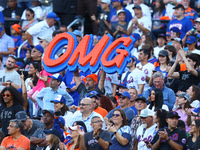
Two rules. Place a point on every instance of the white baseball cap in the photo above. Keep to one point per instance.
(120, 11)
(146, 112)
(105, 1)
(197, 20)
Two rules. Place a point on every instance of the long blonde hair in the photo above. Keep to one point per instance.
(54, 142)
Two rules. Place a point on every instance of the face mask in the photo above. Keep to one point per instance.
(144, 125)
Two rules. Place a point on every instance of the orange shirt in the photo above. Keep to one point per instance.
(69, 146)
(183, 67)
(23, 142)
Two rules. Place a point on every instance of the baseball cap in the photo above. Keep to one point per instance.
(105, 1)
(122, 84)
(197, 20)
(168, 34)
(191, 40)
(39, 48)
(120, 11)
(75, 128)
(53, 131)
(47, 38)
(93, 76)
(16, 27)
(48, 111)
(136, 36)
(93, 94)
(56, 76)
(146, 113)
(2, 26)
(125, 93)
(137, 6)
(77, 33)
(59, 99)
(179, 6)
(162, 35)
(175, 29)
(61, 120)
(141, 98)
(177, 40)
(53, 15)
(185, 95)
(172, 114)
(21, 115)
(121, 1)
(163, 53)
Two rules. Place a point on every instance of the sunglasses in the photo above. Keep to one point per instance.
(7, 95)
(81, 104)
(122, 97)
(115, 115)
(34, 51)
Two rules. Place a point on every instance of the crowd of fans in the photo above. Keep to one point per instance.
(154, 104)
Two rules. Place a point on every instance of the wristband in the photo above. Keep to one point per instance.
(97, 138)
(114, 132)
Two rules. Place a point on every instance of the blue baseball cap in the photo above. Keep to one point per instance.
(121, 1)
(122, 84)
(53, 15)
(136, 36)
(53, 131)
(93, 94)
(191, 40)
(175, 29)
(61, 120)
(39, 48)
(2, 27)
(125, 93)
(59, 99)
(77, 33)
(56, 76)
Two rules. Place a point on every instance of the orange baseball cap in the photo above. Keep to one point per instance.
(16, 27)
(93, 76)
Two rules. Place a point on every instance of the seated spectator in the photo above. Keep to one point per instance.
(189, 12)
(174, 33)
(171, 52)
(133, 93)
(136, 49)
(119, 28)
(194, 92)
(145, 132)
(184, 24)
(78, 35)
(120, 131)
(188, 77)
(113, 101)
(16, 140)
(161, 40)
(161, 64)
(63, 28)
(164, 138)
(169, 97)
(124, 99)
(140, 24)
(156, 101)
(160, 117)
(191, 45)
(29, 20)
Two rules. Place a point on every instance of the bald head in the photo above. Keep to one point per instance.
(86, 106)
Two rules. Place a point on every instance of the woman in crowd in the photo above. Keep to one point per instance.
(121, 132)
(195, 132)
(62, 109)
(105, 103)
(53, 139)
(160, 119)
(113, 101)
(183, 103)
(11, 103)
(161, 64)
(30, 19)
(194, 92)
(156, 100)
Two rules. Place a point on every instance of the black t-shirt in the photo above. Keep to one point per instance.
(177, 135)
(102, 25)
(190, 143)
(7, 114)
(172, 84)
(187, 79)
(92, 144)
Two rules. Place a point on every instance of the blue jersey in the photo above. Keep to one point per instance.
(163, 72)
(183, 25)
(113, 16)
(70, 82)
(153, 60)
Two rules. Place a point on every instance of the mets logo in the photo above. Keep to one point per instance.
(143, 78)
(183, 141)
(146, 71)
(174, 112)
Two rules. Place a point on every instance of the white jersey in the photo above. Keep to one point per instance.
(135, 78)
(135, 52)
(164, 107)
(157, 50)
(145, 10)
(147, 70)
(109, 81)
(143, 135)
(144, 21)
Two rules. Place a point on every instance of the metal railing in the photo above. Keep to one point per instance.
(77, 21)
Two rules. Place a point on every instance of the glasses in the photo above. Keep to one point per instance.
(81, 104)
(115, 115)
(99, 121)
(7, 95)
(12, 56)
(122, 97)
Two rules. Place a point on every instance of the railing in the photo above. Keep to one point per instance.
(76, 21)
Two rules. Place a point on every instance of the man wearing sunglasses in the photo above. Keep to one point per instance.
(8, 74)
(124, 98)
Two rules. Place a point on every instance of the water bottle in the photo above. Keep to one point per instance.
(13, 15)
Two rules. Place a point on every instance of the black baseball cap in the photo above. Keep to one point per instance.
(137, 6)
(48, 111)
(141, 98)
(179, 6)
(21, 115)
(163, 53)
(172, 114)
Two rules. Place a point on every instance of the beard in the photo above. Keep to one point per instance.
(144, 125)
(9, 67)
(89, 88)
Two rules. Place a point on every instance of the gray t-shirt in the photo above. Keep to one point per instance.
(92, 144)
(114, 28)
